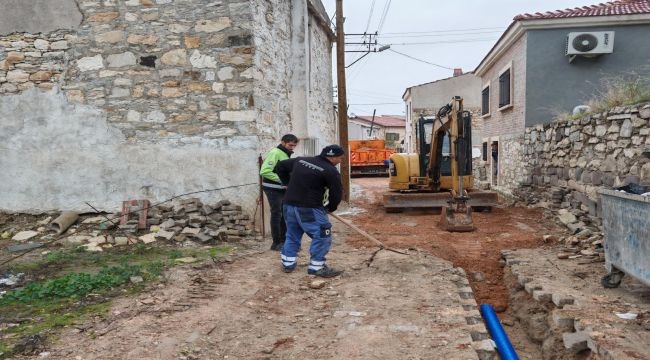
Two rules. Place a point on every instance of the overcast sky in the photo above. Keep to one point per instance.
(427, 39)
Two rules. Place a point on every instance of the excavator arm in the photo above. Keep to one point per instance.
(455, 123)
(457, 215)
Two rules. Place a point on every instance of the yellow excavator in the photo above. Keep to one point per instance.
(440, 174)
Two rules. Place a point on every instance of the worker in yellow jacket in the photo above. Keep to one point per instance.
(273, 188)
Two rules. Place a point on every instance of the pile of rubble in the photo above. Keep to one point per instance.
(186, 220)
(584, 245)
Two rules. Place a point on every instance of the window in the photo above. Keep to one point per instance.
(392, 139)
(310, 146)
(485, 100)
(485, 151)
(504, 88)
(392, 136)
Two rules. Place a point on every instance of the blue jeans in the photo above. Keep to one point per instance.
(311, 221)
(278, 227)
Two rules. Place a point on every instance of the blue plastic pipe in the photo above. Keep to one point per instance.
(500, 338)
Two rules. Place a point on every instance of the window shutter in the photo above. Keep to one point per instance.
(504, 88)
(485, 101)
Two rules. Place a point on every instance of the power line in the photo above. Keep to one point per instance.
(420, 60)
(371, 94)
(384, 36)
(377, 104)
(372, 8)
(383, 16)
(384, 98)
(442, 42)
(442, 31)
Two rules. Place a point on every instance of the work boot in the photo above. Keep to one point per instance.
(277, 246)
(288, 269)
(326, 272)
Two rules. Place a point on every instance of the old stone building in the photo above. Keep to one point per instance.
(107, 100)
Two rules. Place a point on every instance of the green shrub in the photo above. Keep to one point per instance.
(73, 285)
(621, 90)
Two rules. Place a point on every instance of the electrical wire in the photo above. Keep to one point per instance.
(383, 16)
(420, 60)
(500, 29)
(372, 7)
(384, 36)
(397, 103)
(443, 42)
(371, 94)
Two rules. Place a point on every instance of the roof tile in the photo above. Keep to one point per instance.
(384, 120)
(621, 7)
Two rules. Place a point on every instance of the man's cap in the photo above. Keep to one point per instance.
(332, 150)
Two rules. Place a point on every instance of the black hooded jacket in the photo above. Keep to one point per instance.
(307, 180)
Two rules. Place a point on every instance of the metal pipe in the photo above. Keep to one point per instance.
(499, 336)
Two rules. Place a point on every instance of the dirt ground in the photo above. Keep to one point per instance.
(477, 252)
(385, 305)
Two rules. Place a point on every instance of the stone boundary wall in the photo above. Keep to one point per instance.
(565, 163)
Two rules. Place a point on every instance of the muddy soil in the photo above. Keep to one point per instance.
(246, 308)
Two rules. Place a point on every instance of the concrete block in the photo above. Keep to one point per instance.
(24, 247)
(191, 231)
(563, 319)
(576, 341)
(167, 224)
(471, 320)
(486, 351)
(575, 227)
(561, 299)
(204, 238)
(532, 286)
(165, 235)
(542, 296)
(512, 261)
(524, 279)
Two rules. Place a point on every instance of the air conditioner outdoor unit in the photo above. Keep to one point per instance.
(590, 43)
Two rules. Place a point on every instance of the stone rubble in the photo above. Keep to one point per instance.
(186, 220)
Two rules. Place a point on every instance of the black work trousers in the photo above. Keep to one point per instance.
(278, 226)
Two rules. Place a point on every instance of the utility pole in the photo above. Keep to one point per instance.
(342, 104)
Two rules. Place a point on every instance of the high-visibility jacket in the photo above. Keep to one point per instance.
(270, 179)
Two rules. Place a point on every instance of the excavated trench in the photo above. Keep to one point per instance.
(530, 325)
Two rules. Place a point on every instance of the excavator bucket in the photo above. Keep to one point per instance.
(456, 216)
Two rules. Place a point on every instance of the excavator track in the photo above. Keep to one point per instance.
(399, 201)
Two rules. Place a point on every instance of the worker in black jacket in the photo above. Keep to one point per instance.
(313, 189)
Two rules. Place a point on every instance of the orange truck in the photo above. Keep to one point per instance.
(369, 157)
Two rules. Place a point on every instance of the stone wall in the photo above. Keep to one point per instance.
(155, 98)
(565, 163)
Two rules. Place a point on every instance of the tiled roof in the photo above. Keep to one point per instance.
(621, 7)
(384, 120)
